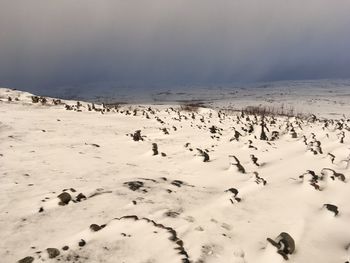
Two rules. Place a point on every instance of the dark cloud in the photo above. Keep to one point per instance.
(46, 44)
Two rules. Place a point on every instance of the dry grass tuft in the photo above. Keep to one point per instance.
(271, 111)
(191, 106)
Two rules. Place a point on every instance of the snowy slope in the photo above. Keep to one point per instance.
(129, 205)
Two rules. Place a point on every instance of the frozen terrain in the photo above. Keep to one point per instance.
(161, 183)
(328, 98)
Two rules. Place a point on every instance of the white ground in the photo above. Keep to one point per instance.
(45, 149)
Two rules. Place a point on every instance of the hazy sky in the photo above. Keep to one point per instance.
(50, 43)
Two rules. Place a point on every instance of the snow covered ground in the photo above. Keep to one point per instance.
(195, 186)
(329, 98)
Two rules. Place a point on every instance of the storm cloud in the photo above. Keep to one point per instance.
(143, 42)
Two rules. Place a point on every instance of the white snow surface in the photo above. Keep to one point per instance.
(181, 209)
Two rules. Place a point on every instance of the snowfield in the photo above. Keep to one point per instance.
(160, 184)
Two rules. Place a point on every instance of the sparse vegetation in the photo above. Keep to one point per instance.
(191, 106)
(270, 111)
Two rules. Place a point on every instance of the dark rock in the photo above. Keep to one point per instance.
(204, 154)
(284, 243)
(43, 100)
(80, 196)
(95, 227)
(26, 260)
(65, 248)
(35, 99)
(238, 164)
(233, 191)
(82, 243)
(53, 252)
(213, 129)
(134, 185)
(165, 131)
(65, 198)
(254, 159)
(275, 135)
(155, 148)
(172, 214)
(137, 136)
(238, 199)
(259, 179)
(177, 183)
(332, 208)
(263, 134)
(180, 243)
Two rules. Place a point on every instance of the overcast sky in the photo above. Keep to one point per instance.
(51, 43)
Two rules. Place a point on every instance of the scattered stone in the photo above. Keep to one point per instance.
(165, 131)
(238, 164)
(65, 198)
(56, 101)
(236, 135)
(172, 214)
(43, 100)
(332, 157)
(204, 154)
(65, 248)
(137, 136)
(95, 227)
(213, 129)
(259, 179)
(275, 135)
(332, 208)
(80, 197)
(177, 183)
(335, 174)
(82, 243)
(284, 243)
(35, 99)
(134, 185)
(294, 134)
(26, 260)
(263, 135)
(233, 191)
(155, 148)
(254, 159)
(53, 252)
